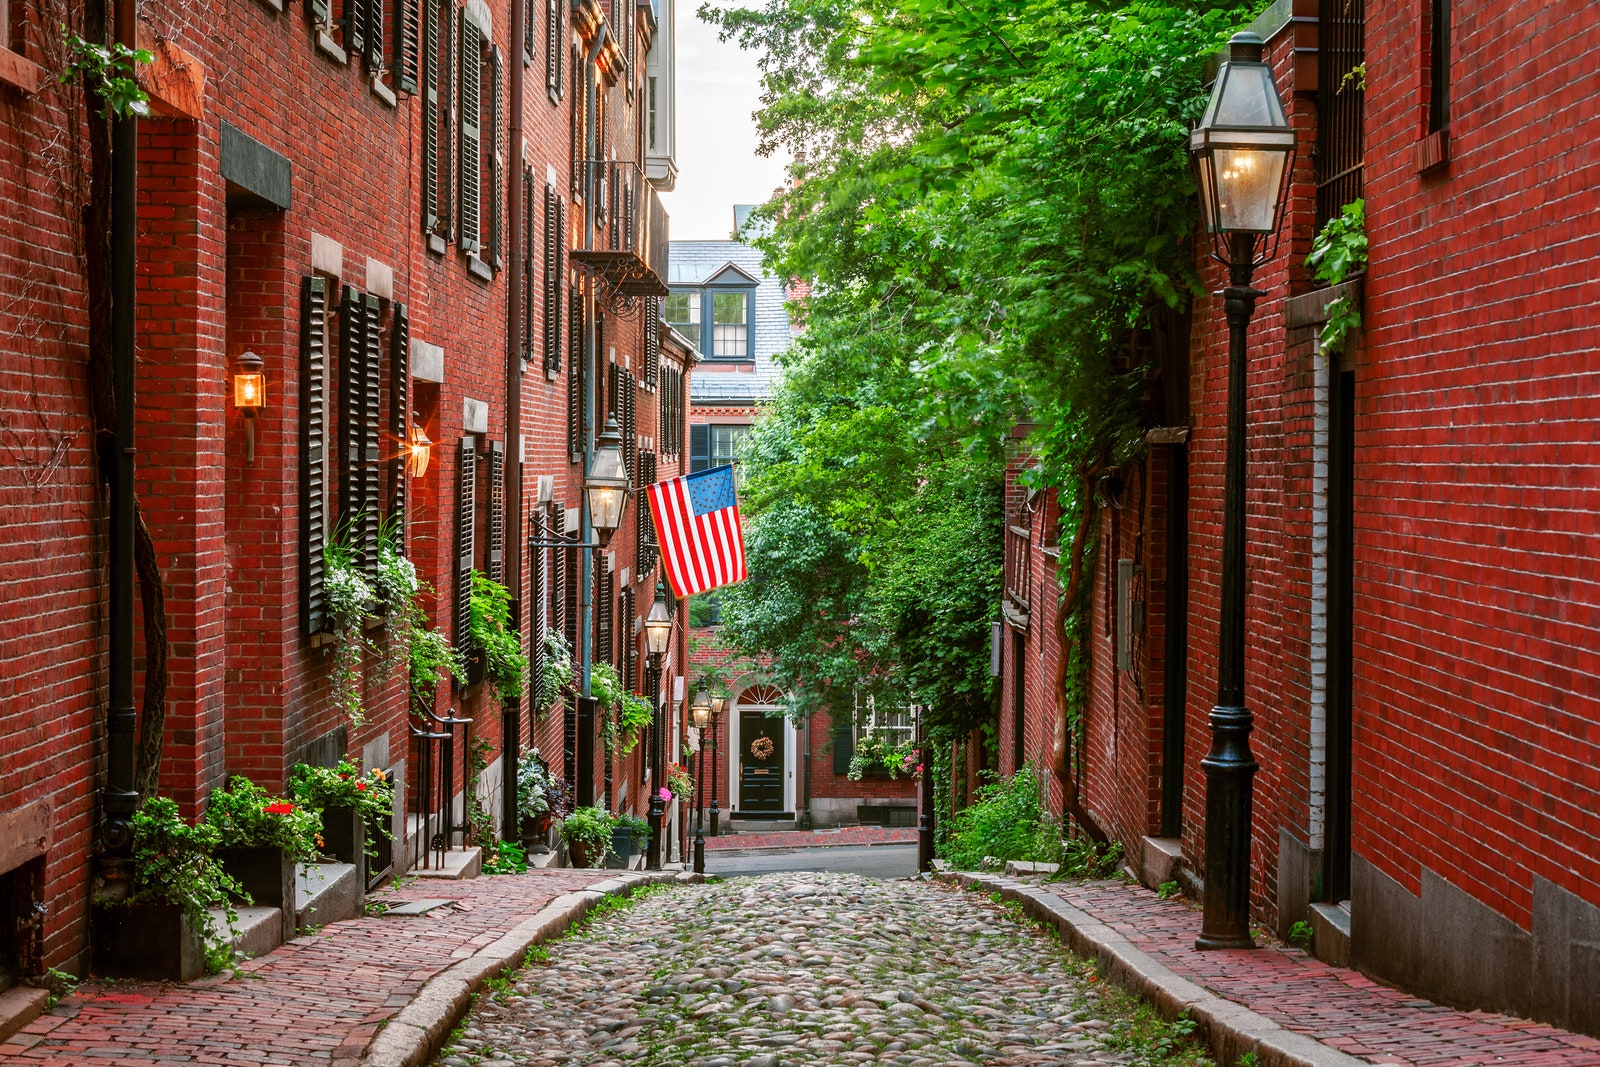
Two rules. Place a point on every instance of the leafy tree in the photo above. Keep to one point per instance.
(996, 212)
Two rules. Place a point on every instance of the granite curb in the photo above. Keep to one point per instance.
(1230, 1029)
(419, 1029)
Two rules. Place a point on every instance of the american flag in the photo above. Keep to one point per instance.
(697, 524)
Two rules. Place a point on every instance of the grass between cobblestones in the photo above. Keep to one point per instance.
(811, 969)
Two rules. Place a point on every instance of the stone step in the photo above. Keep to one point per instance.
(458, 863)
(260, 930)
(1330, 933)
(326, 893)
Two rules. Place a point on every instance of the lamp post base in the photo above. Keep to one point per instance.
(653, 853)
(1230, 770)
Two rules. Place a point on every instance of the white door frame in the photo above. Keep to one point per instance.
(790, 747)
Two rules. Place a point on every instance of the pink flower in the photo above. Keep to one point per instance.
(919, 768)
(665, 794)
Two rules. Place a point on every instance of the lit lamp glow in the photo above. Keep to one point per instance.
(419, 451)
(249, 396)
(700, 710)
(606, 484)
(658, 625)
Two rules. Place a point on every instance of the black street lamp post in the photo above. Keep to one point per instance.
(657, 635)
(718, 705)
(700, 714)
(1243, 148)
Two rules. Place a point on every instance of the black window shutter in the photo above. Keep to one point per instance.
(604, 649)
(555, 49)
(313, 450)
(352, 411)
(536, 600)
(844, 745)
(406, 16)
(371, 431)
(399, 417)
(699, 448)
(431, 108)
(321, 11)
(529, 258)
(357, 20)
(469, 82)
(646, 536)
(558, 580)
(494, 561)
(578, 121)
(530, 30)
(466, 523)
(570, 606)
(497, 170)
(575, 382)
(652, 342)
(554, 241)
(626, 656)
(372, 42)
(630, 435)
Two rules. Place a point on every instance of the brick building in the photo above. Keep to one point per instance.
(1422, 588)
(723, 302)
(417, 223)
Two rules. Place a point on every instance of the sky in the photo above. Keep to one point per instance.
(718, 88)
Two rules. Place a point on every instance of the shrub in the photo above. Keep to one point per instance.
(244, 815)
(1007, 821)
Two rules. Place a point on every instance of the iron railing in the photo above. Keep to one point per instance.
(630, 227)
(1341, 63)
(432, 808)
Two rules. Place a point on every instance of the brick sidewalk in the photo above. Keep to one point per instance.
(318, 999)
(844, 835)
(1337, 1006)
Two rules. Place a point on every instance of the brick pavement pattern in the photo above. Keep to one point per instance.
(844, 835)
(1339, 1007)
(318, 999)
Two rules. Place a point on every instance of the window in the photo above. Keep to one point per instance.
(683, 314)
(895, 723)
(438, 52)
(730, 319)
(1439, 67)
(651, 106)
(726, 442)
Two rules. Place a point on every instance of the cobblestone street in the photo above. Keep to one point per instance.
(803, 968)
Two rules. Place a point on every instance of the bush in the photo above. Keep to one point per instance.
(244, 815)
(590, 827)
(1007, 821)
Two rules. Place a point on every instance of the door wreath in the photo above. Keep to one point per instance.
(761, 747)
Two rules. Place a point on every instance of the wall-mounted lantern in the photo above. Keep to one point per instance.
(419, 451)
(249, 396)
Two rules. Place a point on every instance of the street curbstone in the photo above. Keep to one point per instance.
(1231, 1030)
(412, 1036)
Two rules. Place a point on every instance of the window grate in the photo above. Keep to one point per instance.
(1340, 105)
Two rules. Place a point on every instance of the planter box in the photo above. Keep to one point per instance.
(535, 833)
(267, 875)
(621, 850)
(583, 855)
(147, 941)
(345, 836)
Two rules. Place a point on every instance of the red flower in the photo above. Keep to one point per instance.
(361, 785)
(280, 807)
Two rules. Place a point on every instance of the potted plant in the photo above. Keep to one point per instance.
(629, 834)
(497, 648)
(259, 840)
(680, 783)
(349, 803)
(556, 672)
(587, 833)
(164, 928)
(540, 800)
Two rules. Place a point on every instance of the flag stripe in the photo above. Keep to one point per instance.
(698, 552)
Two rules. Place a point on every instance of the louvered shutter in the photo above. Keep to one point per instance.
(356, 23)
(469, 132)
(530, 256)
(431, 108)
(530, 29)
(497, 153)
(321, 11)
(604, 627)
(399, 418)
(494, 560)
(844, 745)
(352, 409)
(646, 535)
(371, 473)
(626, 656)
(578, 119)
(466, 523)
(575, 383)
(630, 434)
(554, 243)
(699, 448)
(570, 606)
(313, 451)
(555, 48)
(558, 582)
(537, 697)
(453, 21)
(406, 16)
(652, 342)
(370, 14)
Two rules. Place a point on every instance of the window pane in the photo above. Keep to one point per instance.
(726, 442)
(682, 310)
(729, 308)
(730, 324)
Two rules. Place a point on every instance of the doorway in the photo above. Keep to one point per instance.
(762, 759)
(1175, 680)
(1341, 570)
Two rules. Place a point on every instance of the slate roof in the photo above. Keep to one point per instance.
(696, 262)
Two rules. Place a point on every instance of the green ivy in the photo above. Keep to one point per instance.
(1340, 250)
(109, 72)
(493, 637)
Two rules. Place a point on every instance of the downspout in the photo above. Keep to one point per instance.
(120, 798)
(511, 471)
(591, 364)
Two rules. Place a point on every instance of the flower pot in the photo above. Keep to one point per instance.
(622, 849)
(344, 835)
(585, 853)
(536, 832)
(267, 874)
(147, 941)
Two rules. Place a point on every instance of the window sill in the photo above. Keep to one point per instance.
(383, 92)
(330, 48)
(1433, 151)
(437, 245)
(276, 5)
(478, 268)
(21, 74)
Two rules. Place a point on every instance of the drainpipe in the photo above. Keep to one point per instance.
(511, 471)
(120, 799)
(590, 556)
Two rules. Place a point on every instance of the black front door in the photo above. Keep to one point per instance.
(1341, 591)
(760, 763)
